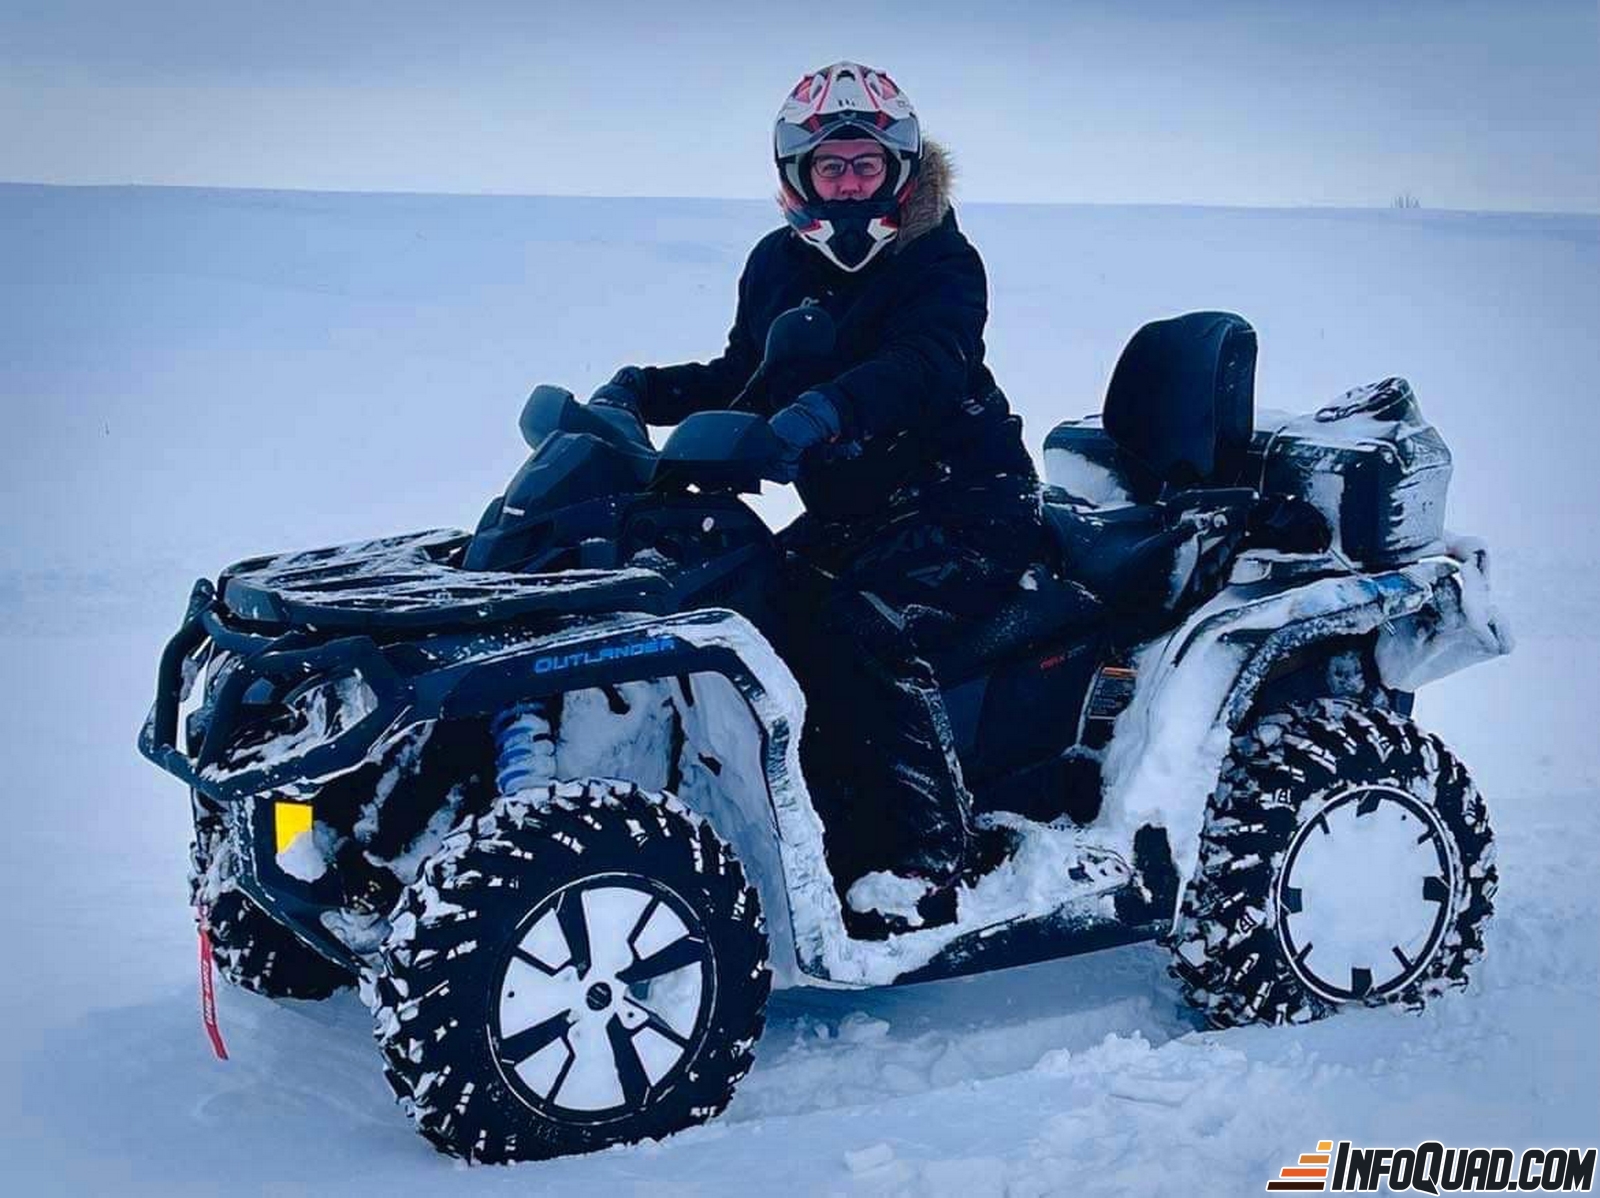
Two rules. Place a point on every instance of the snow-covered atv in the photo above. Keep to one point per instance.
(540, 788)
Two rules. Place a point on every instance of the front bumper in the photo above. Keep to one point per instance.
(262, 664)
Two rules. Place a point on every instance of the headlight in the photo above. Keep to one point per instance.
(310, 715)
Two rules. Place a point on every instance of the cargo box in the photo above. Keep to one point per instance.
(1376, 470)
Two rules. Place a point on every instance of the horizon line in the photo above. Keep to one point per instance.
(522, 195)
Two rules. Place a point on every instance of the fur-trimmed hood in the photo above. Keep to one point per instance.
(931, 200)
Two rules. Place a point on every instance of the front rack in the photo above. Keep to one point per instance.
(415, 582)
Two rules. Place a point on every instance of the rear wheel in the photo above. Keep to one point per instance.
(580, 967)
(1346, 859)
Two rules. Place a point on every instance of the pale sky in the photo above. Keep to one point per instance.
(1463, 103)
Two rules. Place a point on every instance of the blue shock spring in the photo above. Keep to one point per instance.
(524, 747)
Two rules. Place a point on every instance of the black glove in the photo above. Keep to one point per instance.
(624, 394)
(803, 425)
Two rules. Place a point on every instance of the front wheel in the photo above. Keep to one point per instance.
(582, 966)
(1346, 860)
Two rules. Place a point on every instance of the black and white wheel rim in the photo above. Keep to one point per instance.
(1365, 894)
(603, 999)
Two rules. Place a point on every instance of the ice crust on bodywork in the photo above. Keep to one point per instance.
(760, 803)
(412, 579)
(790, 869)
(325, 712)
(1195, 687)
(1033, 883)
(1316, 457)
(622, 735)
(1085, 480)
(407, 756)
(1462, 627)
(722, 774)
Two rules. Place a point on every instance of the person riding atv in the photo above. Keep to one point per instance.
(922, 504)
(570, 794)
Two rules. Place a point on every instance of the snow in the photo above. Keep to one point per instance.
(890, 894)
(193, 377)
(303, 858)
(1084, 480)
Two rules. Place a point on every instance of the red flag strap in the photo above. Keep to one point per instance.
(208, 998)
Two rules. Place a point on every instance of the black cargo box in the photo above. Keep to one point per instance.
(1376, 470)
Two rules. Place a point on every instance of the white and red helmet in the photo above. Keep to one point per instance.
(846, 100)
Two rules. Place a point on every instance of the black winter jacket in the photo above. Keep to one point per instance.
(907, 375)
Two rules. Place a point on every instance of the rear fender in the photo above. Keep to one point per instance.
(1197, 687)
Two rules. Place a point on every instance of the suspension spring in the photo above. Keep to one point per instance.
(524, 747)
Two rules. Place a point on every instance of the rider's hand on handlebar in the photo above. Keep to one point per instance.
(624, 394)
(806, 423)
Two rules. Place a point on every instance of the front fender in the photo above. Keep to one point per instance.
(744, 709)
(1197, 686)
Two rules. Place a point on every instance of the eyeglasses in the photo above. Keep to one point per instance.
(831, 166)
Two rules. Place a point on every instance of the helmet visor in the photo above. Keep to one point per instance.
(790, 140)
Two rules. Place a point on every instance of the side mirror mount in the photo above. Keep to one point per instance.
(804, 332)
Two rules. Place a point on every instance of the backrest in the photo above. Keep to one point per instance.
(1182, 397)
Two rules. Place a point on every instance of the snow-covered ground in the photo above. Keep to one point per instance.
(190, 377)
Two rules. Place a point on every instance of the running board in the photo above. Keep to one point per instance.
(1092, 898)
(1064, 933)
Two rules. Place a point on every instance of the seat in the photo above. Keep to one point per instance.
(1178, 414)
(1122, 554)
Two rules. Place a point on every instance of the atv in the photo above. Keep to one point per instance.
(539, 788)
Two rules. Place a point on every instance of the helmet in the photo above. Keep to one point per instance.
(846, 100)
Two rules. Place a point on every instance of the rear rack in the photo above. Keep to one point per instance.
(415, 582)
